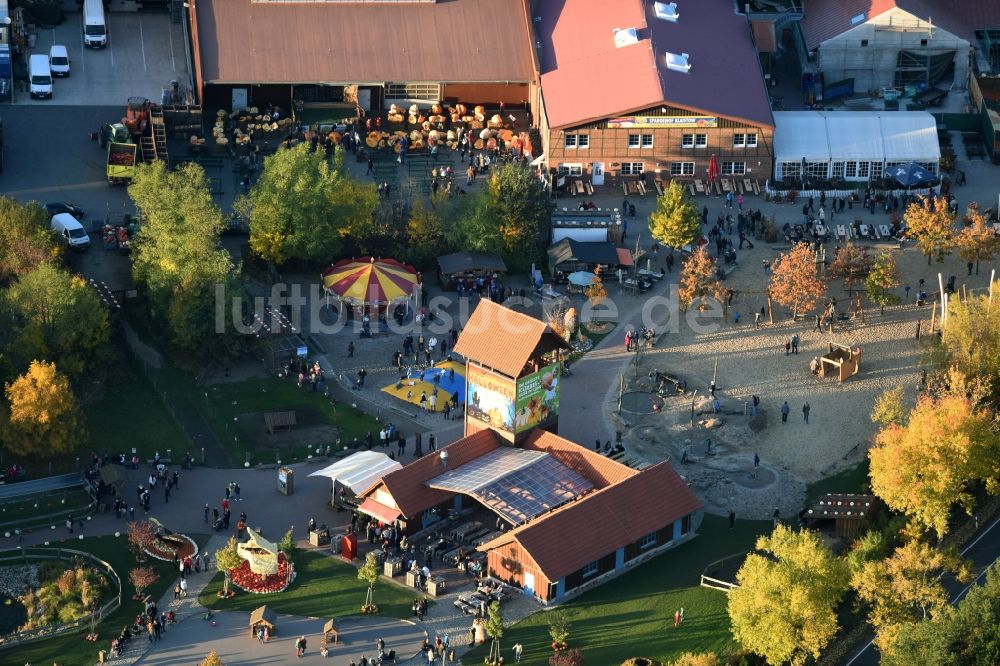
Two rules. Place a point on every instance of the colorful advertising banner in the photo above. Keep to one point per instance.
(537, 401)
(490, 398)
(663, 121)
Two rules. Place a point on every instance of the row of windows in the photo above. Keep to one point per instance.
(646, 141)
(647, 541)
(676, 169)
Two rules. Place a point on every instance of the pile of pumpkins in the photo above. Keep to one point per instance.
(428, 130)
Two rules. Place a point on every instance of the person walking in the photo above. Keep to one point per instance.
(184, 587)
(300, 646)
(788, 345)
(784, 412)
(670, 262)
(756, 320)
(677, 618)
(350, 349)
(756, 465)
(805, 412)
(732, 519)
(518, 651)
(795, 344)
(819, 323)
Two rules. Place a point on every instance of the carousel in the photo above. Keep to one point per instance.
(370, 287)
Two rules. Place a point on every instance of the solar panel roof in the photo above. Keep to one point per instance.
(516, 483)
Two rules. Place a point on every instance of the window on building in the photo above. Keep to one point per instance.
(734, 168)
(633, 140)
(583, 140)
(700, 140)
(648, 540)
(569, 141)
(687, 141)
(647, 140)
(752, 140)
(685, 524)
(682, 168)
(864, 42)
(931, 167)
(923, 42)
(428, 91)
(816, 170)
(791, 169)
(863, 170)
(876, 171)
(838, 170)
(741, 140)
(590, 569)
(570, 169)
(632, 168)
(851, 170)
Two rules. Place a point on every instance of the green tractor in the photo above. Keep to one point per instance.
(113, 133)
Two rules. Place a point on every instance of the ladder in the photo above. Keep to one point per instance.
(159, 130)
(148, 148)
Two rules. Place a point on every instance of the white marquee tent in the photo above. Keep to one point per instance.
(358, 471)
(852, 145)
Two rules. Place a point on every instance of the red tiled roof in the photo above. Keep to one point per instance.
(580, 532)
(503, 339)
(241, 41)
(598, 469)
(824, 19)
(407, 485)
(586, 78)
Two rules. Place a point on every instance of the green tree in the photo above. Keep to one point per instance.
(971, 338)
(58, 317)
(905, 588)
(888, 408)
(177, 255)
(303, 207)
(869, 547)
(882, 279)
(923, 468)
(42, 416)
(696, 659)
(425, 234)
(929, 222)
(369, 574)
(227, 558)
(675, 222)
(784, 607)
(287, 544)
(495, 630)
(26, 239)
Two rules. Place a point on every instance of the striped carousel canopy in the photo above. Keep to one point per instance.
(370, 281)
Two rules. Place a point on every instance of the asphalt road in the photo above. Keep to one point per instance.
(982, 552)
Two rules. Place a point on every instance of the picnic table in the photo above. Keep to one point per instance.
(275, 420)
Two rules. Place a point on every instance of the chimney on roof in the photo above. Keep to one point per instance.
(625, 37)
(678, 62)
(666, 11)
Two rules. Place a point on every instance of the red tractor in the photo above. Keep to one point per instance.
(137, 116)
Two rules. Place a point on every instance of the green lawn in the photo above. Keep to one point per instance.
(32, 512)
(324, 586)
(71, 649)
(632, 616)
(851, 480)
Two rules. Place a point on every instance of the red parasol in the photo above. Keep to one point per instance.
(713, 168)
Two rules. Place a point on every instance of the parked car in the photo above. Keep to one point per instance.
(70, 231)
(56, 207)
(59, 60)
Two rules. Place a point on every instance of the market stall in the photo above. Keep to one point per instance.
(469, 269)
(570, 255)
(356, 473)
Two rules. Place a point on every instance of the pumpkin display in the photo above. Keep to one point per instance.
(478, 144)
(491, 144)
(467, 119)
(506, 134)
(461, 109)
(496, 120)
(436, 109)
(394, 117)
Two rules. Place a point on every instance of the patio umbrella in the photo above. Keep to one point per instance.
(581, 278)
(911, 175)
(713, 168)
(370, 281)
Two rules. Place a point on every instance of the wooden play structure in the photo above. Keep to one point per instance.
(263, 618)
(851, 514)
(331, 635)
(841, 361)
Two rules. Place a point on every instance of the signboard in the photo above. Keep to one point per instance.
(302, 352)
(663, 121)
(489, 398)
(537, 401)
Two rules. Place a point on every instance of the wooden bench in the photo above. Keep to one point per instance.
(274, 420)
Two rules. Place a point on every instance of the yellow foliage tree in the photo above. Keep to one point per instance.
(977, 242)
(698, 281)
(905, 588)
(43, 416)
(930, 224)
(699, 659)
(785, 606)
(971, 338)
(595, 291)
(212, 659)
(794, 282)
(923, 467)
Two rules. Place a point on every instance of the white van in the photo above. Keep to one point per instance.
(59, 60)
(95, 27)
(39, 76)
(70, 231)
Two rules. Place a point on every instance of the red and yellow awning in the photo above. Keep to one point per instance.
(370, 281)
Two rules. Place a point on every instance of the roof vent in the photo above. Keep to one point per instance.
(666, 11)
(678, 62)
(626, 37)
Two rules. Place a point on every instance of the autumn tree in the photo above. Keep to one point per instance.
(905, 588)
(888, 408)
(698, 280)
(924, 467)
(784, 608)
(931, 225)
(58, 317)
(978, 241)
(26, 239)
(368, 573)
(495, 630)
(42, 416)
(212, 659)
(596, 292)
(794, 282)
(971, 339)
(872, 546)
(675, 222)
(142, 578)
(882, 278)
(226, 559)
(424, 234)
(696, 659)
(141, 535)
(851, 263)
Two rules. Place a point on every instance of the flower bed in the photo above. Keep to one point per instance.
(164, 548)
(248, 581)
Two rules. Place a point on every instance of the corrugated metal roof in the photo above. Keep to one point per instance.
(823, 19)
(600, 470)
(504, 340)
(578, 56)
(763, 36)
(457, 41)
(587, 529)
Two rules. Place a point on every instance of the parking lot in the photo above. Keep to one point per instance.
(145, 53)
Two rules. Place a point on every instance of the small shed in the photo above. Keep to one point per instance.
(570, 255)
(263, 618)
(470, 262)
(851, 513)
(841, 361)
